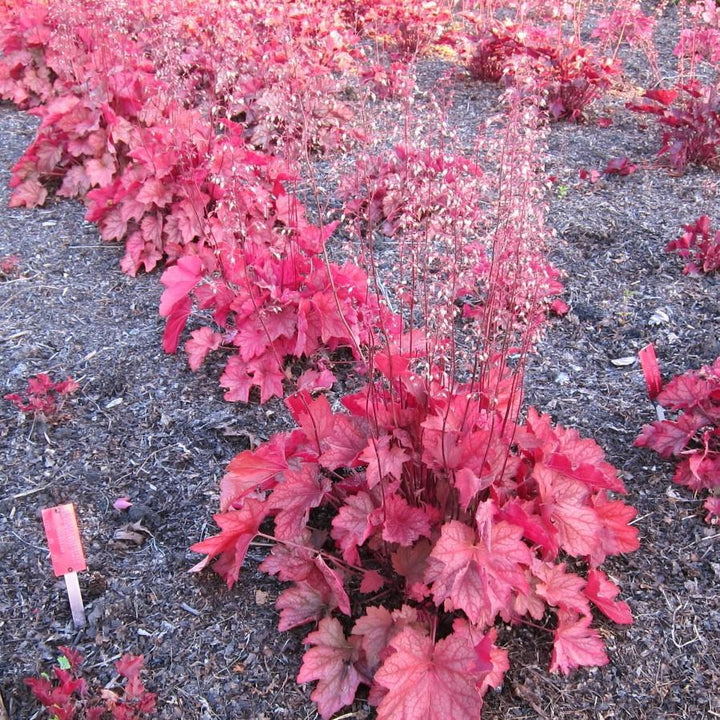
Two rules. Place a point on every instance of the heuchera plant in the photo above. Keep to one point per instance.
(692, 439)
(44, 398)
(452, 514)
(699, 245)
(424, 511)
(68, 696)
(571, 75)
(690, 116)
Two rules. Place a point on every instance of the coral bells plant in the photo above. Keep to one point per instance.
(44, 398)
(690, 116)
(69, 696)
(444, 516)
(421, 512)
(699, 245)
(692, 439)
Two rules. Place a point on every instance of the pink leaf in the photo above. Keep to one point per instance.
(576, 644)
(402, 523)
(712, 506)
(201, 342)
(603, 592)
(251, 470)
(330, 662)
(300, 604)
(179, 280)
(560, 588)
(236, 380)
(430, 681)
(476, 577)
(175, 324)
(29, 193)
(651, 370)
(578, 528)
(299, 491)
(351, 527)
(238, 528)
(122, 503)
(100, 171)
(334, 580)
(371, 582)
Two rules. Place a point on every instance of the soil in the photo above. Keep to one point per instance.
(145, 427)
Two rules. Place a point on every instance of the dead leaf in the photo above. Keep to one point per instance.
(134, 532)
(624, 361)
(3, 712)
(260, 597)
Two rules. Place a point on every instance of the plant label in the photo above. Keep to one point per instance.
(66, 553)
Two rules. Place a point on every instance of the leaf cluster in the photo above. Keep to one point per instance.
(699, 245)
(689, 114)
(44, 398)
(692, 439)
(69, 696)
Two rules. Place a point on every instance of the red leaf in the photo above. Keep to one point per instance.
(298, 492)
(238, 528)
(616, 535)
(251, 470)
(651, 370)
(661, 95)
(576, 644)
(315, 417)
(129, 666)
(179, 280)
(475, 577)
(175, 324)
(346, 440)
(668, 438)
(402, 523)
(430, 681)
(201, 342)
(330, 662)
(603, 592)
(351, 527)
(29, 193)
(236, 380)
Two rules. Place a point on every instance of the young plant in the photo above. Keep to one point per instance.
(699, 245)
(692, 439)
(44, 399)
(690, 116)
(69, 696)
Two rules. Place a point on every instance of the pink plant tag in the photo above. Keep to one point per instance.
(63, 536)
(651, 370)
(66, 553)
